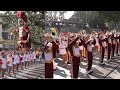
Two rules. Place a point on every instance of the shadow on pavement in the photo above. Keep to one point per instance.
(60, 72)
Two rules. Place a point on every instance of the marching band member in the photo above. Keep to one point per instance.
(117, 43)
(58, 44)
(22, 60)
(48, 61)
(17, 61)
(97, 42)
(54, 49)
(63, 52)
(10, 64)
(3, 67)
(66, 34)
(34, 56)
(84, 50)
(28, 59)
(25, 58)
(89, 50)
(102, 41)
(14, 57)
(31, 58)
(69, 40)
(73, 47)
(81, 46)
(0, 60)
(109, 42)
(113, 45)
(37, 53)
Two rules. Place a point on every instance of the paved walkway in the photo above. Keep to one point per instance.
(35, 72)
(111, 69)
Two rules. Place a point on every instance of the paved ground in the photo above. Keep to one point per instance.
(35, 72)
(111, 69)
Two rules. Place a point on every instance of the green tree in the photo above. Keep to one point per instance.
(112, 17)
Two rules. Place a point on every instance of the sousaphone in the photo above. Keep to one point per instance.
(54, 33)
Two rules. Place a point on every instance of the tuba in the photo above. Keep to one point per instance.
(84, 33)
(96, 35)
(54, 33)
(114, 31)
(107, 33)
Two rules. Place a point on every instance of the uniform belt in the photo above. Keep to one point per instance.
(49, 61)
(62, 48)
(89, 51)
(76, 56)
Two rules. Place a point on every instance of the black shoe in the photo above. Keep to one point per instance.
(91, 71)
(68, 63)
(113, 57)
(54, 69)
(102, 63)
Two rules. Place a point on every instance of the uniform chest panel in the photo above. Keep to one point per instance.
(76, 51)
(22, 32)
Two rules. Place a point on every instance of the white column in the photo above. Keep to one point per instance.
(1, 31)
(1, 45)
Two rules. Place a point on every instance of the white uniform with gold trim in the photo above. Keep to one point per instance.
(49, 55)
(10, 64)
(15, 59)
(28, 57)
(76, 51)
(63, 46)
(4, 63)
(97, 43)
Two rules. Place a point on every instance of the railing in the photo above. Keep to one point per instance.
(7, 42)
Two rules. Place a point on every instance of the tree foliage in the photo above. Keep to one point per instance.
(112, 17)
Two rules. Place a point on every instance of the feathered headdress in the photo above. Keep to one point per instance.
(21, 16)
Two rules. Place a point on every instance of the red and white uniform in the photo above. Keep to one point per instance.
(4, 63)
(49, 55)
(97, 42)
(15, 59)
(31, 56)
(34, 55)
(28, 57)
(10, 59)
(63, 46)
